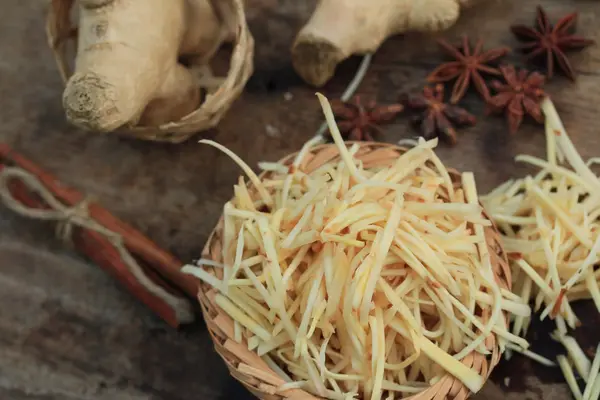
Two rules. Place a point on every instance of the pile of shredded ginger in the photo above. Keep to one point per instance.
(360, 281)
(551, 230)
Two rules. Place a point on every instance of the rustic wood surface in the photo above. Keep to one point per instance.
(68, 331)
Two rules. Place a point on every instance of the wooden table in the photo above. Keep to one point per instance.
(68, 331)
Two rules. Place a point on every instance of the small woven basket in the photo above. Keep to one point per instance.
(62, 39)
(248, 368)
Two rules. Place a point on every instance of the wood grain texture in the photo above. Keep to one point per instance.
(68, 331)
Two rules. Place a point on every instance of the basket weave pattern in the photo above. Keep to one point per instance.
(248, 368)
(62, 39)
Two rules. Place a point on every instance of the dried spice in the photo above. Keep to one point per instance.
(437, 118)
(521, 94)
(148, 272)
(549, 43)
(468, 65)
(358, 121)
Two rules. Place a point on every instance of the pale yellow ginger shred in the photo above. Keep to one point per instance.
(569, 375)
(582, 364)
(337, 137)
(380, 252)
(237, 315)
(530, 354)
(203, 275)
(564, 144)
(593, 384)
(354, 280)
(266, 197)
(470, 378)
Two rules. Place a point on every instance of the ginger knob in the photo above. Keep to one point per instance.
(340, 28)
(127, 70)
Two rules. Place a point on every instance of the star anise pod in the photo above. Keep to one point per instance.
(549, 43)
(358, 121)
(521, 94)
(468, 65)
(437, 118)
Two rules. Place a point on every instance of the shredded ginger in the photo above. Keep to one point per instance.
(551, 229)
(360, 280)
(550, 224)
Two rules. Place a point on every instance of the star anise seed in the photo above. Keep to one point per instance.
(437, 118)
(520, 94)
(468, 65)
(358, 121)
(550, 43)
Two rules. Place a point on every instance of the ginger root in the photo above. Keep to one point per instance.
(340, 28)
(127, 69)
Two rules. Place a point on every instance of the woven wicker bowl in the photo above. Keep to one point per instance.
(248, 368)
(62, 39)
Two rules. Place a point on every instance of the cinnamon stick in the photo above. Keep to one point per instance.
(159, 286)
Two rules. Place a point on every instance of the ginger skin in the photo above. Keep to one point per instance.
(127, 70)
(340, 28)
